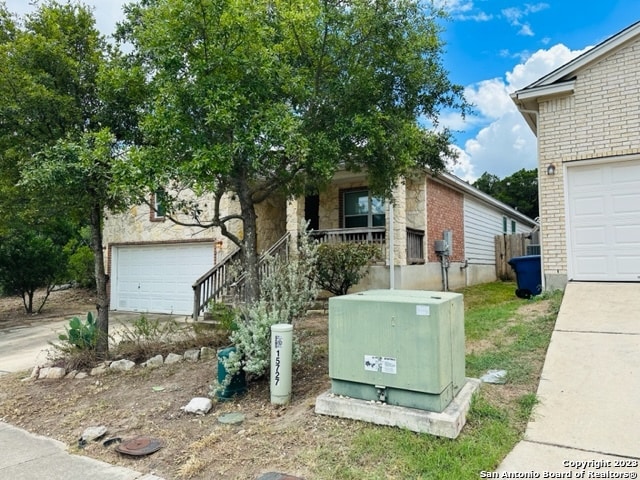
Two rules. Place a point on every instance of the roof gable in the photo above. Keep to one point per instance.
(561, 80)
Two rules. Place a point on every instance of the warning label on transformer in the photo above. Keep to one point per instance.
(375, 363)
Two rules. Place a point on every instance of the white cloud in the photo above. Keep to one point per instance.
(525, 30)
(461, 10)
(454, 6)
(539, 64)
(504, 144)
(461, 166)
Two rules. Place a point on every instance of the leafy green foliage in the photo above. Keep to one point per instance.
(69, 104)
(29, 261)
(339, 266)
(519, 190)
(287, 292)
(82, 335)
(224, 315)
(257, 98)
(81, 267)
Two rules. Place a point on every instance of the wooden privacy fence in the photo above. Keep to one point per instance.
(507, 247)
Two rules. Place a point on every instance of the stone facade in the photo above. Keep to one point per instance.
(598, 121)
(139, 226)
(422, 203)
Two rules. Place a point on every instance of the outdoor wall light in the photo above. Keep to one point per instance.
(219, 244)
(551, 169)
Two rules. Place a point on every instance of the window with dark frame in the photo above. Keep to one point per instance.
(159, 209)
(361, 210)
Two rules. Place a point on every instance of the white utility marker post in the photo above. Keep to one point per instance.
(281, 355)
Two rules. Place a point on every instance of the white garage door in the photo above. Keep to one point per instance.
(157, 278)
(604, 221)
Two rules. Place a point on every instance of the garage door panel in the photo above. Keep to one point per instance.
(589, 206)
(595, 265)
(587, 177)
(628, 236)
(627, 173)
(628, 265)
(158, 278)
(604, 221)
(590, 236)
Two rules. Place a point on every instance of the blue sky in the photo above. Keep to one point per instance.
(493, 47)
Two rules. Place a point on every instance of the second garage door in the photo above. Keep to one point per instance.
(604, 221)
(157, 278)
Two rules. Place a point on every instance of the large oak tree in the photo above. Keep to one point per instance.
(250, 98)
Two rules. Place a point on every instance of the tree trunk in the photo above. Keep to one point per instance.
(249, 243)
(102, 297)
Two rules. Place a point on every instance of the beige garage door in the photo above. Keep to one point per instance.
(604, 221)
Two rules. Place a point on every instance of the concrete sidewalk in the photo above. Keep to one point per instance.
(589, 392)
(29, 457)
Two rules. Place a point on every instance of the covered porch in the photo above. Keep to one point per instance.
(347, 212)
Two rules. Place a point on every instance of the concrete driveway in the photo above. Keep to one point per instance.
(589, 392)
(23, 347)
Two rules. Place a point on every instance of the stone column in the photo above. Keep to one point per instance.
(399, 225)
(295, 213)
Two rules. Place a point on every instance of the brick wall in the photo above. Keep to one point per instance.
(445, 211)
(599, 120)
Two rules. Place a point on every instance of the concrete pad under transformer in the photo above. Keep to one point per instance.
(448, 423)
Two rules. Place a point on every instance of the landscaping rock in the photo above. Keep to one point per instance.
(42, 373)
(277, 476)
(207, 353)
(233, 418)
(81, 375)
(198, 405)
(93, 433)
(192, 355)
(99, 370)
(123, 365)
(35, 372)
(56, 373)
(71, 375)
(154, 362)
(173, 358)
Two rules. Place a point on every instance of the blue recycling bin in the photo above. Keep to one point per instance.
(528, 275)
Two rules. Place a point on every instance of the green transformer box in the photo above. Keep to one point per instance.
(402, 347)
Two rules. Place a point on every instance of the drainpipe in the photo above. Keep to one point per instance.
(392, 279)
(543, 277)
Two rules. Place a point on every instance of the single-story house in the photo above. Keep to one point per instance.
(153, 262)
(586, 116)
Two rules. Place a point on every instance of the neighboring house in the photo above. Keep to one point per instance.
(153, 262)
(586, 116)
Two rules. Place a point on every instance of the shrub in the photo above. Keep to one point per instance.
(339, 266)
(81, 267)
(29, 261)
(224, 315)
(285, 296)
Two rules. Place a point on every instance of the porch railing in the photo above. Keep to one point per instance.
(415, 246)
(280, 249)
(351, 235)
(222, 280)
(214, 284)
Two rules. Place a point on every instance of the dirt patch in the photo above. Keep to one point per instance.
(148, 401)
(60, 304)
